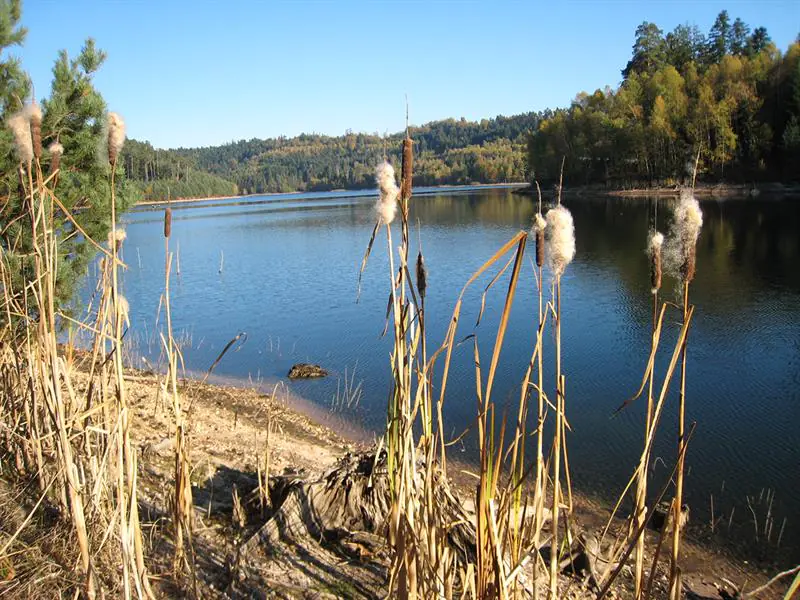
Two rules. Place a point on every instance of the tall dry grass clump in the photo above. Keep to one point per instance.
(74, 444)
(510, 515)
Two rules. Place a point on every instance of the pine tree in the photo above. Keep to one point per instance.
(73, 116)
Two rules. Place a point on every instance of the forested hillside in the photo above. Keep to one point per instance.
(446, 152)
(730, 95)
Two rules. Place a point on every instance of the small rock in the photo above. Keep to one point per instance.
(305, 371)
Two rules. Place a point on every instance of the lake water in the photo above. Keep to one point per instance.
(288, 279)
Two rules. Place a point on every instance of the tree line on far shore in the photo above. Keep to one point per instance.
(728, 101)
(730, 98)
(446, 152)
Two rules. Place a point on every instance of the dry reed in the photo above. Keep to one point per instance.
(79, 451)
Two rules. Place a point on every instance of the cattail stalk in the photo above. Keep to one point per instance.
(688, 220)
(560, 239)
(539, 227)
(654, 244)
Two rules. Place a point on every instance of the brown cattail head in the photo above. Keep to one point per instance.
(654, 243)
(167, 222)
(540, 248)
(539, 225)
(116, 136)
(408, 168)
(689, 264)
(35, 113)
(422, 276)
(56, 150)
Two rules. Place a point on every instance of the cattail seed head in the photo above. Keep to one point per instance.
(35, 115)
(681, 250)
(116, 136)
(56, 150)
(386, 207)
(422, 276)
(20, 125)
(116, 237)
(560, 239)
(539, 225)
(654, 243)
(408, 168)
(167, 222)
(124, 309)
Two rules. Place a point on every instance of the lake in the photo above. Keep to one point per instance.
(284, 270)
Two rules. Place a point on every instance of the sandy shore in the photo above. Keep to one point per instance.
(228, 441)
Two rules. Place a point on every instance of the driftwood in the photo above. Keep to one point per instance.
(335, 526)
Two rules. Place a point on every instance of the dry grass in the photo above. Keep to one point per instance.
(72, 423)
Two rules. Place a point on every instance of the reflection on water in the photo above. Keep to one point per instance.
(289, 281)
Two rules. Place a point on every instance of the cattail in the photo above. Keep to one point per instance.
(539, 225)
(167, 222)
(124, 309)
(422, 276)
(56, 150)
(116, 237)
(388, 191)
(681, 253)
(35, 115)
(408, 168)
(654, 243)
(560, 238)
(116, 136)
(20, 125)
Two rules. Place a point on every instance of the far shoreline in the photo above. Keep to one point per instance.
(515, 184)
(703, 190)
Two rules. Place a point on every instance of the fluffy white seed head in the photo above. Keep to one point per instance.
(386, 207)
(560, 239)
(116, 237)
(34, 112)
(20, 125)
(539, 223)
(680, 247)
(116, 135)
(56, 149)
(654, 242)
(124, 309)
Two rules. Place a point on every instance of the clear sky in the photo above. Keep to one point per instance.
(202, 72)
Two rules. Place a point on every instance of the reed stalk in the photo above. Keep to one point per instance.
(654, 243)
(183, 505)
(688, 220)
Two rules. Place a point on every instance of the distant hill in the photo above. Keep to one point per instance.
(445, 152)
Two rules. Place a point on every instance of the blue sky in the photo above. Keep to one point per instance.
(193, 73)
